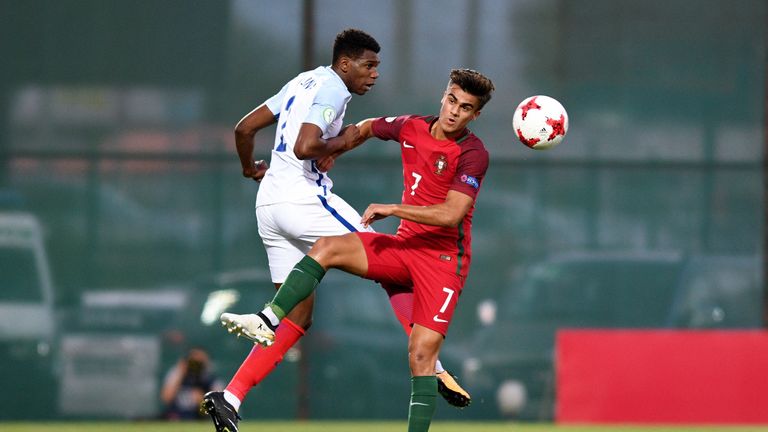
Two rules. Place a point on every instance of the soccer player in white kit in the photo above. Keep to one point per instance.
(295, 205)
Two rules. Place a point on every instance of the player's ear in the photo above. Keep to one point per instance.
(344, 63)
(476, 115)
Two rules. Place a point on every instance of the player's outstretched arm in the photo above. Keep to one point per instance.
(446, 214)
(245, 130)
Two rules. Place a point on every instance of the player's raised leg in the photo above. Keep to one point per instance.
(345, 252)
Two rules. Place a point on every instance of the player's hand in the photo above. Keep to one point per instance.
(351, 134)
(257, 170)
(375, 212)
(325, 163)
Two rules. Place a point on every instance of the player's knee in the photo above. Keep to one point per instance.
(421, 359)
(326, 251)
(417, 357)
(323, 244)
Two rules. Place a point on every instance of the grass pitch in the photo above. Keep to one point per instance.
(352, 426)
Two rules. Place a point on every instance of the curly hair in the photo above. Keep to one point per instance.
(352, 43)
(474, 83)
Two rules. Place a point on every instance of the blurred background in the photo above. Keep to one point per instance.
(126, 227)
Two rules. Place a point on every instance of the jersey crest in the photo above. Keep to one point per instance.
(440, 164)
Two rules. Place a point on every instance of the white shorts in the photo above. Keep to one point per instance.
(289, 230)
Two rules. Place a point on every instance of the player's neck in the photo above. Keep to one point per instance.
(439, 133)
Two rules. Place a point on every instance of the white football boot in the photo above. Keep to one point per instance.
(255, 327)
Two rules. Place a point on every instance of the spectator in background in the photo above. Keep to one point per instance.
(185, 384)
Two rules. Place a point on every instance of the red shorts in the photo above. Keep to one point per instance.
(413, 262)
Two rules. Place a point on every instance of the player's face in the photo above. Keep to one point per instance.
(457, 110)
(362, 72)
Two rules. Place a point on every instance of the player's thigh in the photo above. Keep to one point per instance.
(344, 252)
(385, 258)
(289, 230)
(282, 255)
(329, 224)
(283, 252)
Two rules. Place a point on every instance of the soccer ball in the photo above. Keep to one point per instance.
(540, 122)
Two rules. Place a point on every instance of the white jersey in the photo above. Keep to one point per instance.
(319, 97)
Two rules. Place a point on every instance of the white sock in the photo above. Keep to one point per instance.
(232, 399)
(271, 315)
(439, 367)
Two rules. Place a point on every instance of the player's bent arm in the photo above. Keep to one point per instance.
(246, 129)
(449, 213)
(364, 133)
(310, 143)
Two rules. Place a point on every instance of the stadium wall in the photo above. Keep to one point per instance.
(662, 376)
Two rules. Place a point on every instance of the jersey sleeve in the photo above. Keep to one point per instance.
(328, 106)
(388, 128)
(275, 102)
(471, 168)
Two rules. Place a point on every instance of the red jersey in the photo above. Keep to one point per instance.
(431, 168)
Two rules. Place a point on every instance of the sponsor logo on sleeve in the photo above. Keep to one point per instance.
(329, 114)
(470, 181)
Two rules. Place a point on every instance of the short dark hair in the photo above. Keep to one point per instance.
(352, 43)
(474, 83)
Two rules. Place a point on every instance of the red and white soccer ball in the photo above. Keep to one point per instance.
(540, 122)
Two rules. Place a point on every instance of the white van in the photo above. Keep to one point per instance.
(26, 292)
(26, 312)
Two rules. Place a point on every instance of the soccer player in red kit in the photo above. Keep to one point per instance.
(443, 168)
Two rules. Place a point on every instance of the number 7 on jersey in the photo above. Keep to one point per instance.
(417, 176)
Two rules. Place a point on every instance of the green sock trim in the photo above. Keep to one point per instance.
(422, 406)
(299, 284)
(279, 312)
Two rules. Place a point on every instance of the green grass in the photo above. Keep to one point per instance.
(351, 426)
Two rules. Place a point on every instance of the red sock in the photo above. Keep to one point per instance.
(401, 299)
(261, 361)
